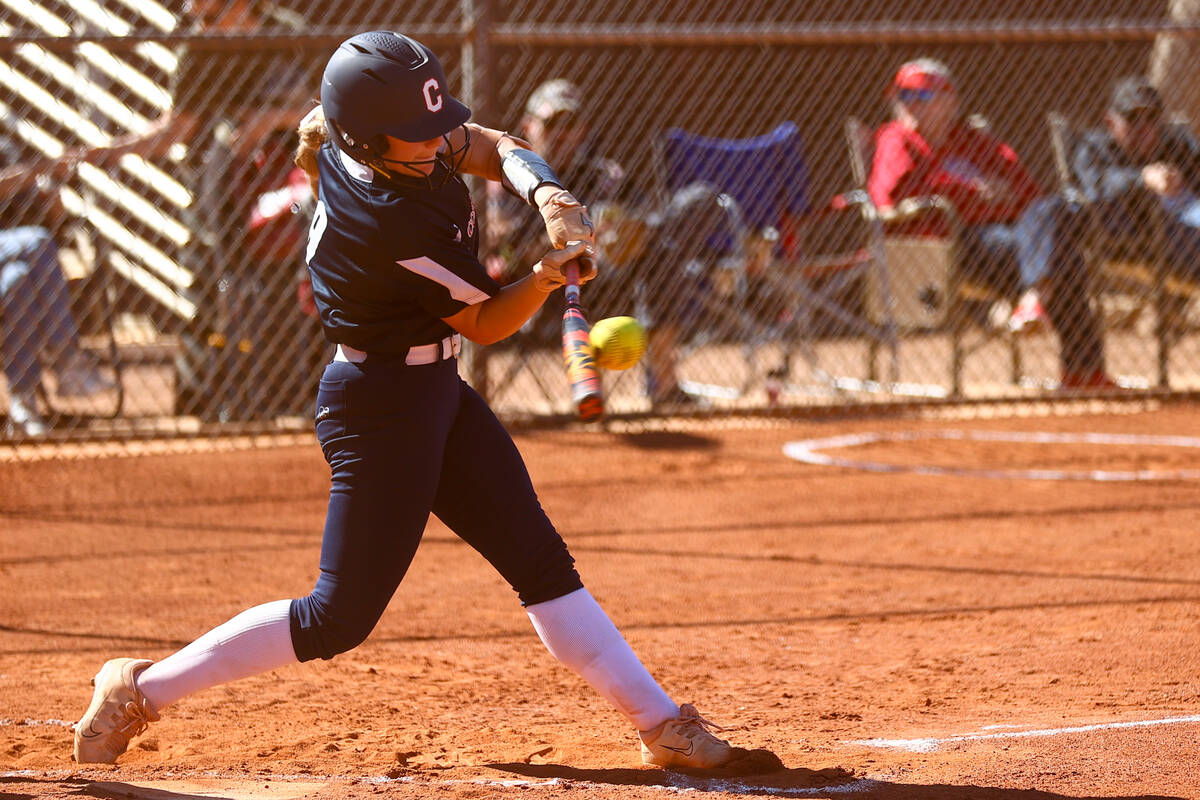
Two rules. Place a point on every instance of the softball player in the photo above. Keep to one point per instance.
(392, 257)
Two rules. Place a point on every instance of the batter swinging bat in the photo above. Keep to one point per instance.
(586, 393)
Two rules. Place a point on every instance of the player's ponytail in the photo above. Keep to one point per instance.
(312, 135)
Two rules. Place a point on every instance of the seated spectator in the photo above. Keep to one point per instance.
(556, 124)
(686, 242)
(1137, 165)
(35, 313)
(1011, 236)
(737, 210)
(661, 279)
(236, 112)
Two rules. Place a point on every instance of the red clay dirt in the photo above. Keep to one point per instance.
(819, 610)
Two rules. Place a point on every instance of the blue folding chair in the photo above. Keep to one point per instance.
(773, 312)
(766, 175)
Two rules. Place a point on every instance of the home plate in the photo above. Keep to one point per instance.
(202, 789)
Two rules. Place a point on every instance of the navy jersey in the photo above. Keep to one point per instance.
(390, 258)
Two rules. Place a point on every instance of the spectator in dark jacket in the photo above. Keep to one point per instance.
(558, 126)
(1012, 236)
(1138, 166)
(556, 123)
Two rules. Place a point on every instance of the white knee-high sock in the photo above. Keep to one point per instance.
(255, 641)
(578, 633)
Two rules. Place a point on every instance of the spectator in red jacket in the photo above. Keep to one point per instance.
(1011, 237)
(930, 150)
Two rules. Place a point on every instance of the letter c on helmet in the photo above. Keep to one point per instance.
(433, 95)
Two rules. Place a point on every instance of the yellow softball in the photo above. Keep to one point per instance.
(617, 342)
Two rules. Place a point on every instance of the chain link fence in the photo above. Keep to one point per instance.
(781, 252)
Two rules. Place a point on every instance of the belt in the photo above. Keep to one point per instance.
(417, 355)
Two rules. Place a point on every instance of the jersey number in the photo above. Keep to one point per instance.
(433, 95)
(315, 230)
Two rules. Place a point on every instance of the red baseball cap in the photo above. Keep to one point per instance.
(924, 73)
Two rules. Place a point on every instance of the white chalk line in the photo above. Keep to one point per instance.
(683, 784)
(808, 452)
(675, 783)
(928, 745)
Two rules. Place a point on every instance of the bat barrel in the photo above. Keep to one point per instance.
(586, 392)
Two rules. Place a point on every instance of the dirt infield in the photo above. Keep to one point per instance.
(888, 635)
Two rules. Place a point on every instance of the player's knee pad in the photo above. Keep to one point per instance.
(324, 629)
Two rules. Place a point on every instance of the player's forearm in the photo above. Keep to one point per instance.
(508, 160)
(502, 315)
(488, 147)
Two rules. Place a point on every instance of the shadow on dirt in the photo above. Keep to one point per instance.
(877, 614)
(669, 440)
(7, 795)
(797, 782)
(727, 781)
(39, 787)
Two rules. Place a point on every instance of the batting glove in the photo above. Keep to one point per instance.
(551, 272)
(566, 219)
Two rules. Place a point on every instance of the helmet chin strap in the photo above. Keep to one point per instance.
(452, 159)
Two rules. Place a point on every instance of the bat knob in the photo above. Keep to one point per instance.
(591, 409)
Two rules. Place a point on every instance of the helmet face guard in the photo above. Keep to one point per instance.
(380, 84)
(448, 156)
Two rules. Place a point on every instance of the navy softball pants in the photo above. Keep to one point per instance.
(402, 441)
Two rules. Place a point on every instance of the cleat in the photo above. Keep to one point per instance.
(685, 741)
(118, 713)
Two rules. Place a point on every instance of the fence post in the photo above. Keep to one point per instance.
(479, 93)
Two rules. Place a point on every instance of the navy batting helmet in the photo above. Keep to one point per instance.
(383, 83)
